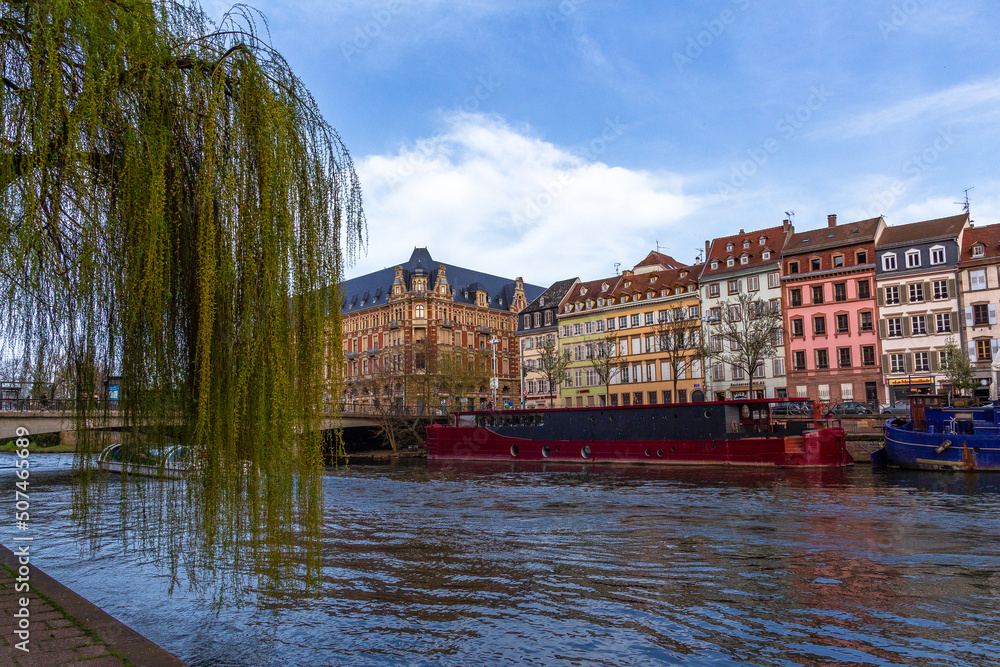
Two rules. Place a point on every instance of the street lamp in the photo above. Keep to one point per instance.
(494, 382)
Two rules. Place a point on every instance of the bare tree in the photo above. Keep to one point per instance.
(747, 327)
(553, 364)
(678, 338)
(604, 357)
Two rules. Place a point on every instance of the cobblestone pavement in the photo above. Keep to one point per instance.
(55, 637)
(64, 628)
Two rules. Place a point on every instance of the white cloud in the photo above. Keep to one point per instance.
(943, 105)
(483, 195)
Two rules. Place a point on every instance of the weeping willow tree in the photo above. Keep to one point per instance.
(175, 211)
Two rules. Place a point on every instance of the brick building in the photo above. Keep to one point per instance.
(419, 335)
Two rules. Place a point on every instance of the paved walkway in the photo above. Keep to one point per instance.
(66, 629)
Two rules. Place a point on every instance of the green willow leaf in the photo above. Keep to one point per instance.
(175, 210)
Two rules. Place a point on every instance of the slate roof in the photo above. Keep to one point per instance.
(553, 297)
(927, 230)
(849, 233)
(989, 237)
(775, 238)
(372, 290)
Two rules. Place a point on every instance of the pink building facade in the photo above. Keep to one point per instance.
(831, 314)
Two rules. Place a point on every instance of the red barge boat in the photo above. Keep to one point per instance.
(720, 433)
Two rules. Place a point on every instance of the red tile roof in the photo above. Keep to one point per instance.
(923, 231)
(989, 237)
(847, 234)
(655, 257)
(774, 240)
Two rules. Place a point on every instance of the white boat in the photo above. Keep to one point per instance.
(171, 461)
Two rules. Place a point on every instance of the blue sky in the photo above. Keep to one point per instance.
(550, 139)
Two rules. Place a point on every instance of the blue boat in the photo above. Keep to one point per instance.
(942, 438)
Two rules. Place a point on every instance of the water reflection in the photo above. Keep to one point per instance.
(563, 564)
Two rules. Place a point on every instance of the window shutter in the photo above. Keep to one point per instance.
(952, 289)
(928, 291)
(935, 361)
(885, 363)
(995, 346)
(908, 361)
(881, 296)
(904, 293)
(954, 321)
(968, 316)
(881, 329)
(906, 327)
(972, 351)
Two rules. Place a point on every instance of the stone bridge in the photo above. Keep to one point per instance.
(39, 422)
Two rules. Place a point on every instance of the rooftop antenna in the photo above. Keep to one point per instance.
(965, 204)
(617, 264)
(790, 215)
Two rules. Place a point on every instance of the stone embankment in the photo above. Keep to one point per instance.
(64, 628)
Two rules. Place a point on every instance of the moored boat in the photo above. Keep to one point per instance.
(942, 438)
(171, 461)
(719, 433)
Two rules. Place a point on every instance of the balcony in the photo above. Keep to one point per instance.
(372, 351)
(447, 323)
(393, 324)
(352, 355)
(485, 330)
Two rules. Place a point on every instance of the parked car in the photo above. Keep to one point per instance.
(850, 408)
(900, 408)
(792, 409)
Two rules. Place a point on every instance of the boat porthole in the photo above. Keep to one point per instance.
(513, 450)
(649, 453)
(673, 448)
(975, 449)
(546, 450)
(659, 452)
(708, 414)
(585, 452)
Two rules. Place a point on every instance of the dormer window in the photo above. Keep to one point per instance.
(766, 254)
(715, 264)
(541, 301)
(978, 250)
(729, 247)
(744, 258)
(650, 295)
(762, 240)
(583, 290)
(683, 274)
(625, 299)
(746, 244)
(664, 292)
(912, 259)
(628, 283)
(889, 261)
(604, 287)
(730, 261)
(653, 279)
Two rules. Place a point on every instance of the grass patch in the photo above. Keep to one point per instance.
(45, 442)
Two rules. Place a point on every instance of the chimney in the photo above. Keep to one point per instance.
(708, 249)
(831, 220)
(785, 224)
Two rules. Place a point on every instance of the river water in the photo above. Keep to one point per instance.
(576, 565)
